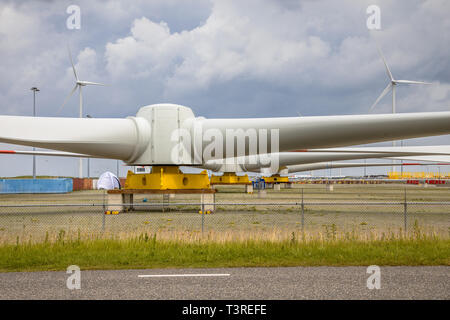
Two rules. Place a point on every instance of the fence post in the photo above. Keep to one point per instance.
(103, 221)
(303, 214)
(405, 214)
(104, 210)
(203, 212)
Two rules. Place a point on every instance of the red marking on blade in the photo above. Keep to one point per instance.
(300, 150)
(7, 151)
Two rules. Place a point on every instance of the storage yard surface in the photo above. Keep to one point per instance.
(348, 208)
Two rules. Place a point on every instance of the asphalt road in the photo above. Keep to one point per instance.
(242, 283)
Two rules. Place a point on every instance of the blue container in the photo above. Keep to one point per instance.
(62, 185)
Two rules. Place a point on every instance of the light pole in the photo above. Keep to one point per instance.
(402, 161)
(365, 168)
(34, 89)
(88, 159)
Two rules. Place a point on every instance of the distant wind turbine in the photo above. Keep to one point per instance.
(78, 84)
(391, 85)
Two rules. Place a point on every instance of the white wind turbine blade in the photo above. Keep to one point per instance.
(442, 160)
(71, 62)
(131, 138)
(47, 153)
(329, 130)
(250, 163)
(411, 82)
(91, 83)
(388, 71)
(385, 91)
(329, 165)
(422, 150)
(65, 101)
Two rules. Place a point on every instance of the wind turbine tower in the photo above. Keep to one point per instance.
(78, 84)
(391, 85)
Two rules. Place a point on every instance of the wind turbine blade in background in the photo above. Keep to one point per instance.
(65, 101)
(71, 61)
(385, 91)
(91, 83)
(385, 64)
(411, 82)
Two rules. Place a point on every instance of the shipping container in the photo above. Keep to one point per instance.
(60, 185)
(82, 184)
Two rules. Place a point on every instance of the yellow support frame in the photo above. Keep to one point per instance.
(167, 178)
(230, 178)
(276, 178)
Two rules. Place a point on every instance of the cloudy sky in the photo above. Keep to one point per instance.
(227, 58)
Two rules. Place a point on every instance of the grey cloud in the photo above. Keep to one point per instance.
(224, 58)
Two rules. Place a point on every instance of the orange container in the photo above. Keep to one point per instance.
(77, 184)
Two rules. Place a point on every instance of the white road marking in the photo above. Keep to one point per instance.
(184, 275)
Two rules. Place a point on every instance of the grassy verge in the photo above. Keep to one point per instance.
(149, 252)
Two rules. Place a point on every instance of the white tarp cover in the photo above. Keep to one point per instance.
(108, 181)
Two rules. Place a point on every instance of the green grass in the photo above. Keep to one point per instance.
(148, 252)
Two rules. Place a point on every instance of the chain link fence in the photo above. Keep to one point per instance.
(268, 213)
